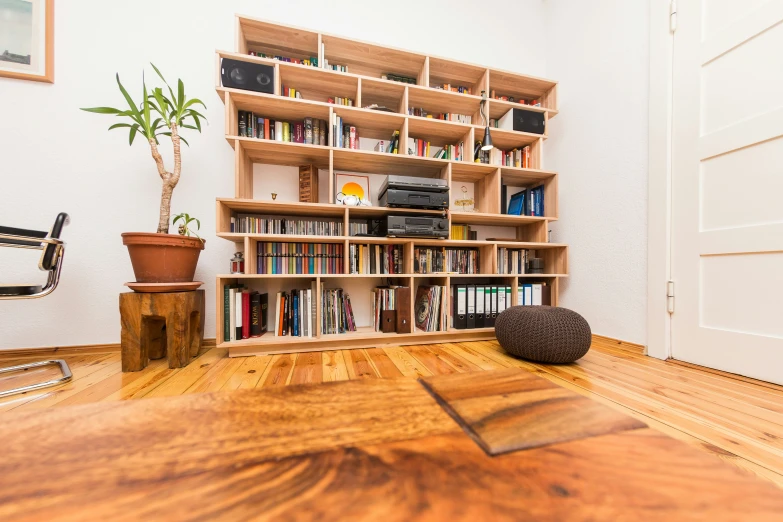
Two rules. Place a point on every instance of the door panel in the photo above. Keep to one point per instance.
(727, 186)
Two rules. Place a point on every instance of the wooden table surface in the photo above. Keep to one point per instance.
(501, 445)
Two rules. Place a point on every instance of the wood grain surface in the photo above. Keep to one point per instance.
(366, 449)
(510, 410)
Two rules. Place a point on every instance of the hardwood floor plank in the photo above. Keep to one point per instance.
(216, 377)
(727, 375)
(358, 365)
(308, 369)
(383, 364)
(248, 374)
(512, 410)
(278, 372)
(177, 381)
(458, 363)
(472, 356)
(434, 364)
(334, 367)
(405, 362)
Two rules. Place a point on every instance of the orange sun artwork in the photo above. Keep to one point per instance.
(353, 189)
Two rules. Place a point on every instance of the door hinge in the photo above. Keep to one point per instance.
(673, 16)
(670, 296)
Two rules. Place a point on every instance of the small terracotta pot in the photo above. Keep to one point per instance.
(162, 258)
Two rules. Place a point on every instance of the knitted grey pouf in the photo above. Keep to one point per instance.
(546, 334)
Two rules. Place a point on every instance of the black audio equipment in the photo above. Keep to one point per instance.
(414, 183)
(414, 199)
(523, 121)
(247, 76)
(418, 226)
(535, 265)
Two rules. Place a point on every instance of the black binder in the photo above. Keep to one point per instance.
(471, 306)
(480, 301)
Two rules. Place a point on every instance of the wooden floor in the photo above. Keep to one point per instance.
(734, 418)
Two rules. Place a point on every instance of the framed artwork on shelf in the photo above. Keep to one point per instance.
(351, 189)
(27, 40)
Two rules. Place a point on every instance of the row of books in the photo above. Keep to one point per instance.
(312, 61)
(262, 224)
(391, 147)
(299, 258)
(290, 92)
(356, 228)
(529, 202)
(295, 313)
(344, 135)
(517, 157)
(341, 101)
(375, 259)
(448, 116)
(395, 299)
(431, 308)
(399, 78)
(432, 260)
(244, 313)
(463, 232)
(311, 131)
(336, 312)
(335, 67)
(453, 88)
(512, 260)
(495, 96)
(424, 149)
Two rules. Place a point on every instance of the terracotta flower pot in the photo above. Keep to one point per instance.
(162, 258)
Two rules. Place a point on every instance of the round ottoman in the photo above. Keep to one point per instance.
(546, 334)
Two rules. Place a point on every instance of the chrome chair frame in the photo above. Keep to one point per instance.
(52, 262)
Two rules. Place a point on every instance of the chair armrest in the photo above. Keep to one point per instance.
(11, 231)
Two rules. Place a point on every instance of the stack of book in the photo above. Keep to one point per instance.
(290, 92)
(310, 131)
(244, 313)
(357, 227)
(423, 149)
(375, 259)
(262, 224)
(295, 312)
(432, 260)
(336, 311)
(453, 88)
(529, 202)
(344, 135)
(299, 258)
(448, 116)
(431, 309)
(312, 61)
(338, 68)
(519, 158)
(398, 78)
(463, 232)
(393, 147)
(341, 101)
(495, 96)
(391, 299)
(512, 260)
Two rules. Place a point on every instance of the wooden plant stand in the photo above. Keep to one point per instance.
(157, 325)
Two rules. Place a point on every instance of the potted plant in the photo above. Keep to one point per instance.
(160, 257)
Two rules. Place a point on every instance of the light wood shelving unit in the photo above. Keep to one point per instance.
(367, 62)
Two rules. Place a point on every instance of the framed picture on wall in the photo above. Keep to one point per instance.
(27, 40)
(351, 189)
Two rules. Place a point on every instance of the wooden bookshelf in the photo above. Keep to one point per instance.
(366, 63)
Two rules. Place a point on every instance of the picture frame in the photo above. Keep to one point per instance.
(27, 40)
(347, 185)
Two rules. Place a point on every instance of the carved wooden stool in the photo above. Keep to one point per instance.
(157, 325)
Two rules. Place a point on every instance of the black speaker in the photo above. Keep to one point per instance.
(248, 76)
(523, 121)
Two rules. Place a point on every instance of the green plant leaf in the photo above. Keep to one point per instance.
(186, 126)
(146, 107)
(132, 135)
(158, 71)
(176, 218)
(131, 103)
(118, 125)
(103, 110)
(180, 95)
(198, 223)
(194, 101)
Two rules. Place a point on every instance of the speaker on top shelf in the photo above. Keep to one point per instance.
(522, 121)
(248, 76)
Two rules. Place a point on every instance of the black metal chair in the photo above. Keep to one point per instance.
(53, 252)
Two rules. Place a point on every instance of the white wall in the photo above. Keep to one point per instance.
(598, 51)
(54, 157)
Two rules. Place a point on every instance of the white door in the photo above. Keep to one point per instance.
(727, 186)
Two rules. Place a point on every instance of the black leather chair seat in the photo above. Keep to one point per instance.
(19, 290)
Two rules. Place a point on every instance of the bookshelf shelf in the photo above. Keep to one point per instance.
(367, 62)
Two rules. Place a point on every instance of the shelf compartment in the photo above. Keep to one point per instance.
(498, 109)
(500, 220)
(384, 93)
(282, 152)
(507, 140)
(352, 160)
(376, 125)
(260, 36)
(440, 101)
(520, 87)
(373, 212)
(275, 107)
(458, 74)
(371, 60)
(529, 178)
(319, 84)
(437, 131)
